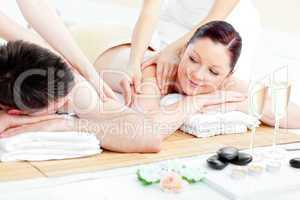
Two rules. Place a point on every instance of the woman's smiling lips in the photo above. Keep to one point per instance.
(193, 84)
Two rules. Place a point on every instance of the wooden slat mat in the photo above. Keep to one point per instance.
(176, 146)
(14, 171)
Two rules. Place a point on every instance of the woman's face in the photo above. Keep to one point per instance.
(204, 67)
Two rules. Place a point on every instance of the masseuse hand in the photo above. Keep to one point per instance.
(130, 83)
(166, 62)
(8, 121)
(105, 91)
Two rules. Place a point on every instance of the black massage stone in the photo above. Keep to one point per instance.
(215, 163)
(228, 153)
(295, 162)
(242, 159)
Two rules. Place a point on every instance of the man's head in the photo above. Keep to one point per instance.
(32, 79)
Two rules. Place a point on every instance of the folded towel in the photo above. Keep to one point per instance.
(37, 146)
(214, 129)
(216, 123)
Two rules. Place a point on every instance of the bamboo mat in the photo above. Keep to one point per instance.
(176, 146)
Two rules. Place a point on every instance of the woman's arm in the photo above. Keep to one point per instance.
(141, 37)
(219, 11)
(143, 31)
(43, 18)
(173, 116)
(291, 120)
(10, 31)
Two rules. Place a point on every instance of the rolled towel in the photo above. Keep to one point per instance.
(211, 124)
(37, 146)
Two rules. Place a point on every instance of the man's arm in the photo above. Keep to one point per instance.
(121, 134)
(118, 127)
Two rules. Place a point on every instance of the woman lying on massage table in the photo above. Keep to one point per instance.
(206, 65)
(36, 83)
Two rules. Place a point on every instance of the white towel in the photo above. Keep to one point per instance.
(211, 124)
(38, 146)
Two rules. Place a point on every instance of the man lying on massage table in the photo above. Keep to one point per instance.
(36, 83)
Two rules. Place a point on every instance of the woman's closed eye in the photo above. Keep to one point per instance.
(192, 59)
(214, 72)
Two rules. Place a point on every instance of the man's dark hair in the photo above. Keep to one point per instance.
(32, 76)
